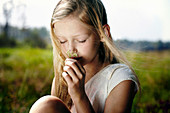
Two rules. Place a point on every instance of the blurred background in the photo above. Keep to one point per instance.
(140, 28)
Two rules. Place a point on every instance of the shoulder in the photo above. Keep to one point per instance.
(120, 73)
(122, 87)
(118, 68)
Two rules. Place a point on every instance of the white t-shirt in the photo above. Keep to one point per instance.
(101, 84)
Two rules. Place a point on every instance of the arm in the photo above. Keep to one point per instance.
(82, 102)
(83, 105)
(120, 98)
(53, 87)
(74, 74)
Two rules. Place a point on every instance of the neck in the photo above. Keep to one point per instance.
(93, 68)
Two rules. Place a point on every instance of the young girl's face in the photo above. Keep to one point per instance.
(74, 36)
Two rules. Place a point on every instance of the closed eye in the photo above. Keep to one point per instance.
(62, 42)
(82, 41)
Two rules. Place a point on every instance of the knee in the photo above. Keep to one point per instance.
(48, 104)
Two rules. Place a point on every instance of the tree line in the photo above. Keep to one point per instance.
(40, 37)
(142, 45)
(33, 37)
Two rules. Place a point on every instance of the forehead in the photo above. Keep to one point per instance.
(70, 25)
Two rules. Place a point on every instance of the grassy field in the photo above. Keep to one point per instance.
(153, 70)
(26, 75)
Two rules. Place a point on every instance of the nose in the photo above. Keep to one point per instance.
(72, 47)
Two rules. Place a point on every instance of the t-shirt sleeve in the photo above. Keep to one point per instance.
(121, 74)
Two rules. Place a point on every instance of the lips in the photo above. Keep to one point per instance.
(76, 58)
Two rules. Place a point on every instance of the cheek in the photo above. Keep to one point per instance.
(64, 50)
(90, 48)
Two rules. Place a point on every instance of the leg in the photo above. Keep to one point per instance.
(49, 104)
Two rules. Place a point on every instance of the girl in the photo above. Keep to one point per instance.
(91, 76)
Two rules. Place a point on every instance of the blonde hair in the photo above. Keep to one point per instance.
(93, 14)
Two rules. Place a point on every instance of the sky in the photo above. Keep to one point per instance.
(135, 20)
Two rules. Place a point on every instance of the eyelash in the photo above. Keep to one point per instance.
(62, 42)
(82, 41)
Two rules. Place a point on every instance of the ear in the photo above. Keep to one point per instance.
(106, 28)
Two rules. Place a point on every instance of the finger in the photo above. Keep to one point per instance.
(80, 67)
(71, 72)
(74, 65)
(67, 78)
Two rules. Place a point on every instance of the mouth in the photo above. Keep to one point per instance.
(76, 58)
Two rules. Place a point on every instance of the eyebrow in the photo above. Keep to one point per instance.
(77, 35)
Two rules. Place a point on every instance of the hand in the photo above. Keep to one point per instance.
(74, 74)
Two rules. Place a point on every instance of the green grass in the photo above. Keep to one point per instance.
(153, 70)
(26, 75)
